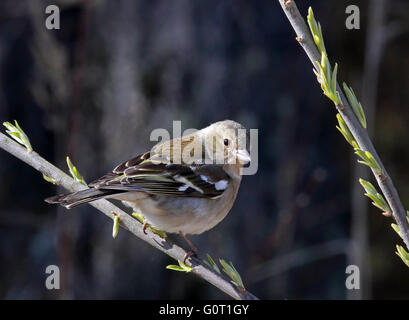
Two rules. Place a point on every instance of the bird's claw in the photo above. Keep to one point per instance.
(145, 225)
(189, 254)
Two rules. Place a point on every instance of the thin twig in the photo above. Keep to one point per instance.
(125, 220)
(360, 134)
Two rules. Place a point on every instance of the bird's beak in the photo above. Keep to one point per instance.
(243, 156)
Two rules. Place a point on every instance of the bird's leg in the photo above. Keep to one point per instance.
(190, 243)
(193, 251)
(145, 225)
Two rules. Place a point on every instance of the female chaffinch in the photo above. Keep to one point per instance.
(186, 185)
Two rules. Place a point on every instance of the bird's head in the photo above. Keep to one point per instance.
(227, 142)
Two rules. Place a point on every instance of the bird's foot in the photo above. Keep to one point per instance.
(145, 225)
(193, 251)
(189, 254)
(142, 219)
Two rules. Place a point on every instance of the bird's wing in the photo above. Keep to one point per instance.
(148, 174)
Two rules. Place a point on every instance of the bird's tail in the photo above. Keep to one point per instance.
(74, 199)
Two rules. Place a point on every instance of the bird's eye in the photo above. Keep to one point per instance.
(226, 142)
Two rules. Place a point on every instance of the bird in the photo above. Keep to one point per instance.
(186, 185)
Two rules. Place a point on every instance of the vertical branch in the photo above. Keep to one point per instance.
(357, 130)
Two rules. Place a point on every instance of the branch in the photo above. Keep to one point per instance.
(344, 108)
(125, 220)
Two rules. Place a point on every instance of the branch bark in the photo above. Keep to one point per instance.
(125, 220)
(360, 134)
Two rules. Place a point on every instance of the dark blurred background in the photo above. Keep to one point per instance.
(116, 70)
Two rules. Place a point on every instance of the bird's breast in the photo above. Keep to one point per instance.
(188, 215)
